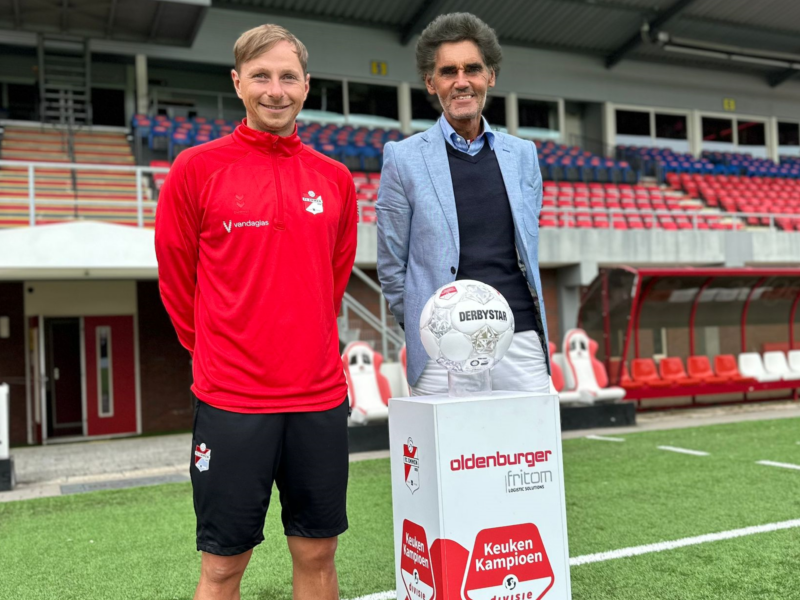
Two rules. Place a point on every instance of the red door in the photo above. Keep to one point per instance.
(110, 375)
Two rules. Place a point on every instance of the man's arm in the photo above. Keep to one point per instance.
(344, 254)
(177, 242)
(394, 226)
(537, 182)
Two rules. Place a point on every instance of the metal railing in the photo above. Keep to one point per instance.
(734, 218)
(380, 324)
(695, 216)
(42, 200)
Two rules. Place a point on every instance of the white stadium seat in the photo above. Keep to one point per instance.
(582, 368)
(775, 363)
(794, 360)
(368, 389)
(750, 365)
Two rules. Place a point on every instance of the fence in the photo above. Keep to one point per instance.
(35, 200)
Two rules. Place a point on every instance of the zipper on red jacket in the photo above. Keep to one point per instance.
(279, 224)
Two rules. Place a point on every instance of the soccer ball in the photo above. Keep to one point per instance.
(466, 326)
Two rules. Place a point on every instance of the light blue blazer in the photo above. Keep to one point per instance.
(418, 244)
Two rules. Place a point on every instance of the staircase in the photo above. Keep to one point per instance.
(65, 81)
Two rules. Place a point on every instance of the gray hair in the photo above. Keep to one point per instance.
(457, 27)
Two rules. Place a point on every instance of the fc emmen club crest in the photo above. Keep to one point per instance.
(411, 465)
(202, 457)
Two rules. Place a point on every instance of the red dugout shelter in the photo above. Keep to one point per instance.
(688, 315)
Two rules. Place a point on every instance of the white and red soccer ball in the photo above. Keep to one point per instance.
(466, 326)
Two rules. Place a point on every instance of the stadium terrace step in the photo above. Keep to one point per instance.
(104, 158)
(34, 145)
(35, 156)
(105, 149)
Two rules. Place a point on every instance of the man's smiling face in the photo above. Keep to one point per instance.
(273, 88)
(460, 80)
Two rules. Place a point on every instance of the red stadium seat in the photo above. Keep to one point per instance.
(671, 369)
(726, 366)
(700, 368)
(627, 382)
(644, 371)
(557, 374)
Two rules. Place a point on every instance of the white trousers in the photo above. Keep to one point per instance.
(522, 369)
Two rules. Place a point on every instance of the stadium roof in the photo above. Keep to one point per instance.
(170, 22)
(78, 250)
(751, 35)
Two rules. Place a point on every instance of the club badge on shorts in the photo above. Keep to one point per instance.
(202, 457)
(411, 465)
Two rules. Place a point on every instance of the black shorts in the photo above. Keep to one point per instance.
(236, 458)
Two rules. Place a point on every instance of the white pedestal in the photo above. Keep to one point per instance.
(478, 497)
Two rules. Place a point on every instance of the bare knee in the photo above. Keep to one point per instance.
(313, 553)
(224, 570)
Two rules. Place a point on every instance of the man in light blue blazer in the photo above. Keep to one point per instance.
(460, 201)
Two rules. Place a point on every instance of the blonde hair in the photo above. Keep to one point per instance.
(256, 41)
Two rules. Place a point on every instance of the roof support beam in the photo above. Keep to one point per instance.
(156, 22)
(112, 12)
(780, 77)
(17, 15)
(299, 14)
(652, 26)
(425, 13)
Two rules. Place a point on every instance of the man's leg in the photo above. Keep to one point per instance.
(312, 479)
(524, 367)
(313, 568)
(433, 380)
(220, 576)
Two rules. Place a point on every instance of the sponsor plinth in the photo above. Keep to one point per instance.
(478, 498)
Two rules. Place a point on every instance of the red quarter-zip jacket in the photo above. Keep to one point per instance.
(255, 239)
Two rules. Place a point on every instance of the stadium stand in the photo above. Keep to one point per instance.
(734, 193)
(67, 194)
(571, 163)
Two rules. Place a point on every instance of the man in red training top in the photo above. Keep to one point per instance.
(256, 238)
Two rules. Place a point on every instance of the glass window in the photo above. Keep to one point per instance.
(495, 110)
(751, 133)
(370, 99)
(538, 114)
(717, 130)
(424, 105)
(769, 312)
(671, 127)
(718, 320)
(789, 134)
(325, 94)
(105, 384)
(630, 122)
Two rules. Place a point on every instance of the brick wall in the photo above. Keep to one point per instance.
(12, 358)
(165, 368)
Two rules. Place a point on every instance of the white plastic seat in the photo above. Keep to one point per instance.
(775, 363)
(580, 370)
(566, 396)
(750, 365)
(368, 388)
(794, 360)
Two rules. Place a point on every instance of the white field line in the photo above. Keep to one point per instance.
(648, 549)
(682, 543)
(683, 450)
(769, 463)
(603, 438)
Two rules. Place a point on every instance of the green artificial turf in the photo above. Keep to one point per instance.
(139, 543)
